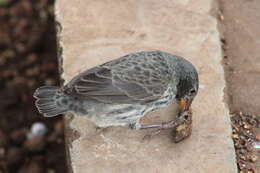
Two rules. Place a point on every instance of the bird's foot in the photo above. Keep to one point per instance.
(181, 127)
(164, 125)
(151, 134)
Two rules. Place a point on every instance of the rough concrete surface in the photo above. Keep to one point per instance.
(97, 31)
(240, 28)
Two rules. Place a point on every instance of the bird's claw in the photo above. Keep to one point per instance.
(151, 134)
(184, 118)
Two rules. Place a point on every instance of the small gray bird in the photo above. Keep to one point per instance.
(122, 91)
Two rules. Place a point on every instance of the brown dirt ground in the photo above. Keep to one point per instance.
(239, 24)
(28, 59)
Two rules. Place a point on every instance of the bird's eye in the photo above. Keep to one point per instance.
(192, 91)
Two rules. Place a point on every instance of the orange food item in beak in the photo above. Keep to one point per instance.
(182, 105)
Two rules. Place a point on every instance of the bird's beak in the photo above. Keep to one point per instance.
(184, 104)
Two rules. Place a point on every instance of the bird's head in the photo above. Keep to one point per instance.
(188, 85)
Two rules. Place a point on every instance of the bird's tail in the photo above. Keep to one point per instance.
(48, 101)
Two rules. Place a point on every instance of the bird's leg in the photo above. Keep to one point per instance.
(151, 134)
(166, 125)
(177, 125)
(158, 127)
(181, 126)
(183, 109)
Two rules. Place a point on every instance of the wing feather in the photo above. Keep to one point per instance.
(119, 82)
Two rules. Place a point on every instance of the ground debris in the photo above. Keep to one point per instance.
(244, 135)
(183, 130)
(28, 59)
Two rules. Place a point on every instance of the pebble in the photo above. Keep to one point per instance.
(18, 136)
(14, 156)
(59, 128)
(35, 144)
(38, 129)
(49, 82)
(34, 71)
(2, 153)
(253, 158)
(32, 58)
(257, 137)
(247, 126)
(3, 139)
(33, 167)
(256, 145)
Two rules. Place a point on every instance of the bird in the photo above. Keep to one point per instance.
(122, 91)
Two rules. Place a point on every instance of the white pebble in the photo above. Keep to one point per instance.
(38, 129)
(256, 145)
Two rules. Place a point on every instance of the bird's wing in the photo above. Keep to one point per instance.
(122, 81)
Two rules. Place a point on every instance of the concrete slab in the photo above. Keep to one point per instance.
(240, 28)
(97, 31)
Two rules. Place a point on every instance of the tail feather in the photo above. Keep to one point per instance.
(46, 91)
(47, 98)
